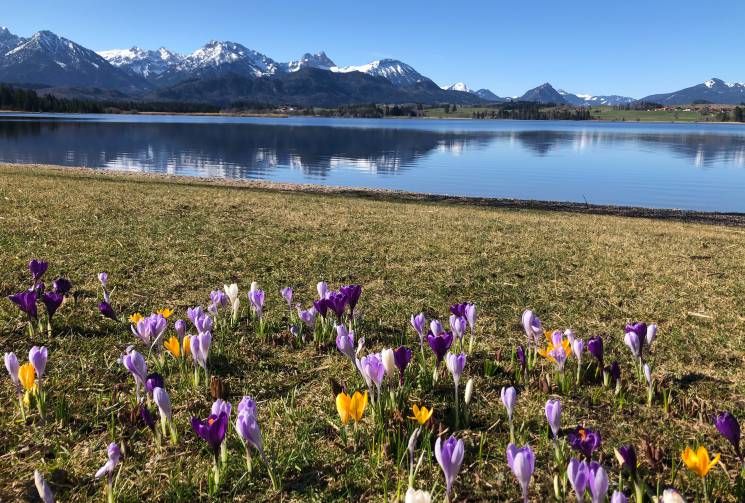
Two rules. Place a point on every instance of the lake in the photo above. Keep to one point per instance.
(686, 166)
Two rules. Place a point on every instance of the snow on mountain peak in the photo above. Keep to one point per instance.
(458, 86)
(317, 60)
(397, 72)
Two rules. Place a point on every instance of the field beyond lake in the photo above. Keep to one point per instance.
(169, 242)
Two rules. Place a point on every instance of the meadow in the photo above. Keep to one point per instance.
(167, 243)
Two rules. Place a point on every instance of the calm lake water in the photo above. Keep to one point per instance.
(699, 167)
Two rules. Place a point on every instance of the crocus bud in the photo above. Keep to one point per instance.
(103, 278)
(389, 362)
(417, 496)
(553, 415)
(651, 333)
(509, 397)
(45, 492)
(322, 289)
(618, 497)
(231, 291)
(11, 363)
(161, 399)
(469, 391)
(38, 358)
(648, 374)
(236, 307)
(436, 327)
(578, 347)
(180, 328)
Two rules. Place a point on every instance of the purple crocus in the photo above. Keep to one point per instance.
(103, 277)
(449, 455)
(194, 314)
(553, 415)
(52, 301)
(307, 316)
(26, 302)
(352, 294)
(522, 463)
(584, 441)
(249, 431)
(509, 398)
(619, 497)
(345, 342)
(321, 306)
(470, 314)
(436, 327)
(578, 473)
(150, 329)
(651, 334)
(200, 348)
(402, 357)
(595, 347)
(626, 454)
(37, 269)
(212, 430)
(107, 311)
(247, 404)
(147, 416)
(520, 353)
(153, 381)
(256, 297)
(337, 302)
(458, 310)
(11, 364)
(61, 286)
(729, 427)
(636, 333)
(163, 401)
(218, 299)
(114, 455)
(598, 482)
(418, 322)
(286, 293)
(203, 324)
(372, 369)
(615, 370)
(135, 363)
(456, 364)
(221, 405)
(322, 288)
(532, 326)
(440, 344)
(180, 328)
(458, 326)
(38, 358)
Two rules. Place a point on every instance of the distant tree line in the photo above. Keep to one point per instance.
(523, 110)
(369, 111)
(737, 114)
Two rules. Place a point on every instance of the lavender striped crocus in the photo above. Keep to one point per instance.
(449, 455)
(471, 316)
(194, 314)
(286, 293)
(249, 431)
(436, 327)
(200, 348)
(135, 363)
(578, 473)
(322, 288)
(553, 415)
(12, 366)
(221, 405)
(418, 322)
(256, 297)
(509, 397)
(456, 364)
(636, 333)
(26, 302)
(345, 342)
(532, 326)
(598, 482)
(114, 455)
(458, 326)
(203, 324)
(522, 463)
(103, 277)
(307, 316)
(38, 358)
(372, 370)
(180, 328)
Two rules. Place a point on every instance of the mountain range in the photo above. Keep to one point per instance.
(224, 72)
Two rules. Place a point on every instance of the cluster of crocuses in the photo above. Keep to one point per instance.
(28, 300)
(328, 310)
(28, 379)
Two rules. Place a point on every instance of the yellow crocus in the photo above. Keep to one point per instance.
(351, 406)
(698, 461)
(135, 318)
(165, 312)
(173, 346)
(186, 345)
(546, 353)
(27, 376)
(421, 415)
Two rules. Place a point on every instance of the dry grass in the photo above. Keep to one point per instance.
(168, 243)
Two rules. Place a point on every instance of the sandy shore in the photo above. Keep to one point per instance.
(715, 218)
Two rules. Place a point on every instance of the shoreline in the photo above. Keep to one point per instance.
(729, 219)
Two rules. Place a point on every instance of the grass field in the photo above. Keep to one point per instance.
(167, 243)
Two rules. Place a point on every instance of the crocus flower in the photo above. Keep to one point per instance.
(307, 316)
(469, 392)
(52, 301)
(372, 369)
(522, 463)
(351, 406)
(648, 374)
(509, 397)
(557, 348)
(458, 310)
(103, 278)
(26, 302)
(37, 269)
(698, 461)
(203, 324)
(417, 496)
(436, 327)
(618, 497)
(670, 495)
(578, 347)
(38, 358)
(194, 314)
(421, 415)
(153, 381)
(725, 422)
(11, 364)
(26, 376)
(256, 297)
(322, 288)
(163, 401)
(45, 492)
(520, 353)
(595, 347)
(180, 328)
(615, 370)
(458, 326)
(553, 415)
(114, 455)
(286, 293)
(440, 344)
(626, 456)
(402, 357)
(146, 416)
(389, 362)
(321, 306)
(532, 326)
(352, 294)
(449, 455)
(345, 342)
(249, 430)
(584, 441)
(61, 286)
(135, 363)
(569, 334)
(337, 302)
(166, 312)
(212, 430)
(636, 333)
(598, 482)
(247, 404)
(418, 323)
(456, 364)
(173, 346)
(559, 356)
(578, 473)
(106, 310)
(150, 329)
(471, 316)
(221, 405)
(200, 348)
(651, 334)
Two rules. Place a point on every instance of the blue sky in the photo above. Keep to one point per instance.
(631, 48)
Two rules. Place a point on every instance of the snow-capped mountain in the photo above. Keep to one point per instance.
(458, 86)
(317, 60)
(8, 40)
(395, 71)
(140, 62)
(713, 90)
(51, 60)
(486, 94)
(545, 93)
(590, 100)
